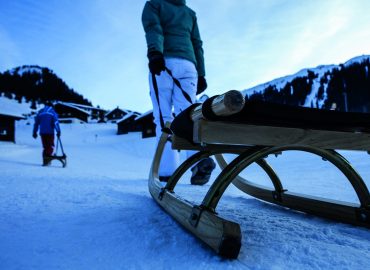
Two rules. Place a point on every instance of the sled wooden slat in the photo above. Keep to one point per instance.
(214, 132)
(182, 144)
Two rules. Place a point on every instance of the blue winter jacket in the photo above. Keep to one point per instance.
(47, 120)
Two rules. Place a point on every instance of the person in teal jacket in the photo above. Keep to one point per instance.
(171, 30)
(177, 72)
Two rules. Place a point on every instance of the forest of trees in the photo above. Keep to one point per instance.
(346, 86)
(37, 84)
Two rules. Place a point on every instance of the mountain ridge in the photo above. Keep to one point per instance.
(319, 79)
(37, 84)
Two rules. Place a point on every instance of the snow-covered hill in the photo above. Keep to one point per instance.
(319, 72)
(37, 83)
(26, 69)
(97, 212)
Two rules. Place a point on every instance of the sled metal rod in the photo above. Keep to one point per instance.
(227, 175)
(263, 164)
(348, 170)
(187, 164)
(272, 174)
(332, 156)
(245, 159)
(344, 166)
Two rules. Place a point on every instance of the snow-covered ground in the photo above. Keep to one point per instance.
(97, 212)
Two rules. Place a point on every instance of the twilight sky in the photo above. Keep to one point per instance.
(98, 46)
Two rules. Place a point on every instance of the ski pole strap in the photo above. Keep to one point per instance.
(155, 87)
(178, 84)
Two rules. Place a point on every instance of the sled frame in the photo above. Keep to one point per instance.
(62, 159)
(253, 144)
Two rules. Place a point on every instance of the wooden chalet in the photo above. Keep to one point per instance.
(95, 113)
(69, 113)
(10, 111)
(147, 124)
(7, 126)
(128, 124)
(116, 114)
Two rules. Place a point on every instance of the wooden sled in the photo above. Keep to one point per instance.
(254, 130)
(61, 158)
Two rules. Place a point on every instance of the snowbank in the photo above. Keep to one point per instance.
(97, 213)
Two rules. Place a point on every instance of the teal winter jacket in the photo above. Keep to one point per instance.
(172, 29)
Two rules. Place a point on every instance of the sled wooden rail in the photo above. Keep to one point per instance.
(256, 133)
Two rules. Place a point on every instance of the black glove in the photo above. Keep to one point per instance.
(202, 85)
(34, 135)
(58, 134)
(156, 63)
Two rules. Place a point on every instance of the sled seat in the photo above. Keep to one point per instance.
(253, 130)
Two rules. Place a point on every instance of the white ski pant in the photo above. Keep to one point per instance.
(171, 102)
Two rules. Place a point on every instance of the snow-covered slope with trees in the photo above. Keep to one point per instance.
(347, 85)
(37, 84)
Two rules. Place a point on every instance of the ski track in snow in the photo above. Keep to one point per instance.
(97, 212)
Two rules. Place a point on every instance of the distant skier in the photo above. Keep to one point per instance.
(47, 121)
(177, 72)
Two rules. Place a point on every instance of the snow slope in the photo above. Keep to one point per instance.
(97, 212)
(320, 71)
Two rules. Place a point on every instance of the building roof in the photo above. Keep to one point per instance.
(11, 108)
(82, 106)
(73, 106)
(16, 117)
(127, 116)
(146, 114)
(117, 109)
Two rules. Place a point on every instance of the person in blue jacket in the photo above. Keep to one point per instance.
(47, 122)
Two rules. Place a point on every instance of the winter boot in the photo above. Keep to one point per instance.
(202, 171)
(46, 160)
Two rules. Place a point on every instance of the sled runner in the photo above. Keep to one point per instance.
(62, 159)
(254, 130)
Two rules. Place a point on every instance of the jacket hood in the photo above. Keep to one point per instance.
(177, 2)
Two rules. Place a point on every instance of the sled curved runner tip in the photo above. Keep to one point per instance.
(62, 159)
(222, 235)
